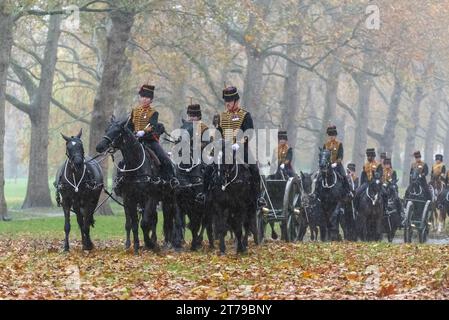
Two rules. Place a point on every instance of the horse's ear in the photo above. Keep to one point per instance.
(112, 118)
(65, 137)
(80, 134)
(320, 149)
(302, 174)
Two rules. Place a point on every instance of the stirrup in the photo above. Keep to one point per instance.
(261, 202)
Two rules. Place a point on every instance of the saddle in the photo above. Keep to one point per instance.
(151, 155)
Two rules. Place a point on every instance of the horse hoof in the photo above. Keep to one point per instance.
(66, 249)
(274, 236)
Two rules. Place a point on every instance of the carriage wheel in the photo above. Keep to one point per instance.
(291, 210)
(261, 226)
(408, 231)
(424, 230)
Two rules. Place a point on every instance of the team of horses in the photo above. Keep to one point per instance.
(228, 205)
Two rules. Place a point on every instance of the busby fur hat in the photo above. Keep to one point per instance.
(282, 135)
(146, 91)
(370, 152)
(331, 131)
(439, 157)
(387, 161)
(417, 154)
(230, 94)
(194, 110)
(383, 155)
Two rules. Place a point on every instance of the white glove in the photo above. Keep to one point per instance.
(334, 165)
(282, 166)
(235, 147)
(140, 133)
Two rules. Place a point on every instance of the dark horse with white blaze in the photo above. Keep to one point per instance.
(371, 211)
(78, 186)
(332, 195)
(140, 186)
(232, 200)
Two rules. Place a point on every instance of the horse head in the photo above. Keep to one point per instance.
(376, 183)
(307, 181)
(324, 160)
(114, 135)
(75, 149)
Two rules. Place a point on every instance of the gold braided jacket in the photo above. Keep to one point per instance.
(333, 146)
(387, 174)
(420, 165)
(141, 116)
(437, 169)
(369, 168)
(282, 151)
(230, 123)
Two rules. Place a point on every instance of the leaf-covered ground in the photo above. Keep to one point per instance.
(38, 269)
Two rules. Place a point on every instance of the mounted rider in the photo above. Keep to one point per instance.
(284, 154)
(228, 124)
(336, 149)
(144, 123)
(370, 168)
(423, 170)
(438, 173)
(389, 175)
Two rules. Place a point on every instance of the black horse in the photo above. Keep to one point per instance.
(138, 183)
(417, 192)
(231, 198)
(190, 177)
(332, 195)
(348, 221)
(393, 216)
(78, 185)
(311, 215)
(370, 211)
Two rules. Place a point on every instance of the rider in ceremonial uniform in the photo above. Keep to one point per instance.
(438, 173)
(383, 156)
(369, 169)
(389, 175)
(198, 126)
(336, 149)
(284, 154)
(228, 123)
(423, 170)
(144, 123)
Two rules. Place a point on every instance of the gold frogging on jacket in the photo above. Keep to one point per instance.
(437, 169)
(282, 153)
(141, 117)
(419, 165)
(333, 147)
(387, 175)
(370, 168)
(230, 123)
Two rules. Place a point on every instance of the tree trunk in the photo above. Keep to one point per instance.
(114, 61)
(38, 192)
(252, 91)
(410, 140)
(364, 84)
(6, 40)
(392, 117)
(432, 127)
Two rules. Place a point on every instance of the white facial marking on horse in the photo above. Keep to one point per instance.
(73, 143)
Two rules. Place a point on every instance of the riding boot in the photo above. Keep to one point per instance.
(259, 200)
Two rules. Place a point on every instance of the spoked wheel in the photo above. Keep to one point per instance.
(291, 210)
(424, 230)
(408, 231)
